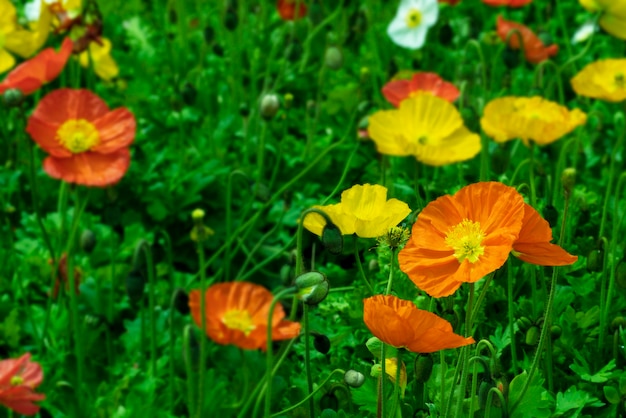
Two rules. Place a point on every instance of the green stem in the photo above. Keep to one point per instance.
(391, 272)
(307, 357)
(187, 336)
(202, 362)
(143, 247)
(310, 395)
(383, 372)
(465, 351)
(360, 266)
(509, 288)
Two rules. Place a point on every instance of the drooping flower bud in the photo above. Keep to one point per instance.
(423, 368)
(354, 379)
(135, 284)
(568, 179)
(269, 106)
(13, 97)
(321, 342)
(532, 335)
(312, 287)
(333, 58)
(595, 260)
(332, 238)
(87, 241)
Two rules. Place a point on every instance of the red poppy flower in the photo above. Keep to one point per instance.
(509, 3)
(86, 142)
(400, 323)
(533, 245)
(534, 50)
(18, 380)
(29, 76)
(397, 90)
(287, 9)
(236, 313)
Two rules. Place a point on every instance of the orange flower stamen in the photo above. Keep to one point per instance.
(78, 135)
(239, 320)
(466, 239)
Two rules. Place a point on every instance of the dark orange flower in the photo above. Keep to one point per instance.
(400, 323)
(534, 50)
(18, 380)
(29, 76)
(397, 90)
(87, 143)
(287, 9)
(533, 245)
(509, 3)
(462, 238)
(236, 313)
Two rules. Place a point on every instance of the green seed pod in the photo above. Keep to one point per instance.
(333, 58)
(532, 335)
(423, 368)
(373, 266)
(524, 323)
(354, 379)
(87, 241)
(332, 238)
(312, 287)
(13, 97)
(595, 260)
(618, 322)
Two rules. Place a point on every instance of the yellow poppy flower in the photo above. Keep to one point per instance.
(613, 18)
(103, 64)
(17, 40)
(529, 118)
(604, 79)
(364, 210)
(427, 127)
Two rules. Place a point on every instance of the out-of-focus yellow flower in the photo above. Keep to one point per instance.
(103, 64)
(364, 210)
(529, 119)
(426, 127)
(18, 40)
(613, 18)
(604, 79)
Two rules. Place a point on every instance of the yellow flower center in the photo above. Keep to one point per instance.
(413, 18)
(2, 40)
(78, 135)
(422, 140)
(619, 80)
(466, 239)
(240, 320)
(17, 380)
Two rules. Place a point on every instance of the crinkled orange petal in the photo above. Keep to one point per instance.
(533, 245)
(116, 130)
(60, 105)
(534, 49)
(89, 168)
(397, 90)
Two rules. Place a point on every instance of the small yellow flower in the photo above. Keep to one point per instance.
(427, 127)
(529, 119)
(364, 210)
(604, 79)
(613, 17)
(103, 64)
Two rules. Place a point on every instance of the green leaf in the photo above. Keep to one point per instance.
(574, 399)
(534, 404)
(611, 394)
(581, 368)
(10, 329)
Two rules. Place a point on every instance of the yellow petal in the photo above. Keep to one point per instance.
(6, 61)
(364, 201)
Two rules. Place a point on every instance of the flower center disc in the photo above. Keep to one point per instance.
(78, 135)
(17, 380)
(466, 239)
(239, 320)
(619, 80)
(413, 18)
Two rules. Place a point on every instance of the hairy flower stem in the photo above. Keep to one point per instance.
(509, 291)
(465, 352)
(394, 251)
(307, 358)
(380, 411)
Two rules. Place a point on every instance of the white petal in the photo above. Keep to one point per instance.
(584, 32)
(430, 12)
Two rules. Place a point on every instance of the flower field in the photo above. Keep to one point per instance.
(312, 208)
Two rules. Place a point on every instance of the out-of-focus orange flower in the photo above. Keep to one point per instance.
(509, 3)
(87, 143)
(533, 244)
(400, 323)
(29, 76)
(291, 9)
(534, 50)
(18, 380)
(62, 277)
(236, 313)
(397, 90)
(462, 238)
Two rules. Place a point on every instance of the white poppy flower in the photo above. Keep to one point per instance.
(408, 29)
(584, 32)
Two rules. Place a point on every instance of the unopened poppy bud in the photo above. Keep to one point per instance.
(568, 179)
(197, 215)
(483, 393)
(503, 386)
(524, 323)
(354, 379)
(511, 58)
(321, 343)
(329, 401)
(333, 58)
(332, 238)
(555, 332)
(595, 260)
(13, 97)
(620, 274)
(181, 301)
(551, 215)
(618, 322)
(532, 335)
(87, 241)
(546, 38)
(373, 266)
(188, 92)
(423, 368)
(394, 238)
(269, 106)
(365, 73)
(312, 287)
(135, 283)
(288, 98)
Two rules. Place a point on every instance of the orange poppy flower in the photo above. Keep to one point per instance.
(86, 142)
(533, 245)
(509, 3)
(287, 9)
(18, 380)
(29, 76)
(236, 313)
(534, 50)
(462, 238)
(400, 323)
(397, 90)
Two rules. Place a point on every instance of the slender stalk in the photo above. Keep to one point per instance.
(202, 362)
(391, 272)
(360, 266)
(310, 395)
(509, 289)
(465, 351)
(307, 357)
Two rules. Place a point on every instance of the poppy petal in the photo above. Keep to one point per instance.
(116, 130)
(89, 168)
